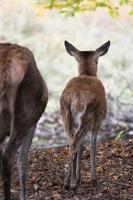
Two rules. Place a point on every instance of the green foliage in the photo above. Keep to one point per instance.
(128, 3)
(120, 136)
(71, 7)
(122, 2)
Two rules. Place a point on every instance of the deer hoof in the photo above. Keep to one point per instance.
(78, 180)
(14, 195)
(67, 184)
(74, 186)
(94, 182)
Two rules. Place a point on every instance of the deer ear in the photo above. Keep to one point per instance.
(102, 49)
(71, 49)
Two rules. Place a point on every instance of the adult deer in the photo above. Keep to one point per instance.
(23, 98)
(83, 108)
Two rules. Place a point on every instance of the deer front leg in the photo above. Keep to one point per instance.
(93, 139)
(22, 160)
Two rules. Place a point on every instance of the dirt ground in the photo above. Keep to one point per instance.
(46, 172)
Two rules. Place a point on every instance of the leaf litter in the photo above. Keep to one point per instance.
(47, 168)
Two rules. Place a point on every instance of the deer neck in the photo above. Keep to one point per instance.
(85, 69)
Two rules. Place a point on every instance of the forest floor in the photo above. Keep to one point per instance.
(46, 172)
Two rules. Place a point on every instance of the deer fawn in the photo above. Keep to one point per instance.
(23, 98)
(83, 108)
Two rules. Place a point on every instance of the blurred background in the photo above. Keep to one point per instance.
(43, 30)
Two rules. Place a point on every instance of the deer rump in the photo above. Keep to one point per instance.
(19, 88)
(85, 100)
(23, 98)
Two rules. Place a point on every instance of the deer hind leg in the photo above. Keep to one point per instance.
(2, 138)
(75, 159)
(73, 175)
(73, 156)
(67, 120)
(76, 137)
(78, 160)
(93, 140)
(68, 175)
(76, 150)
(11, 148)
(22, 160)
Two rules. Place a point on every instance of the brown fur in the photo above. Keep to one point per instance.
(83, 108)
(23, 98)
